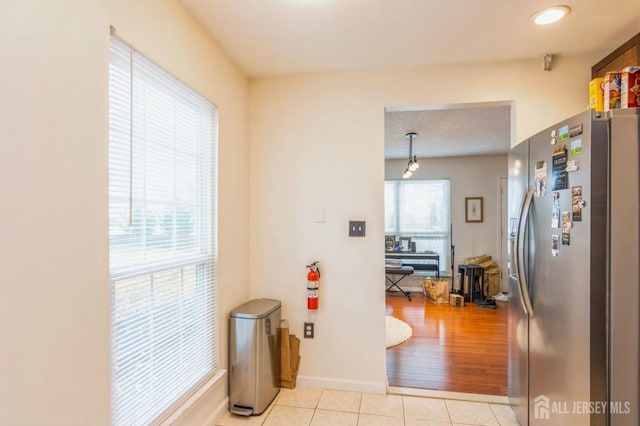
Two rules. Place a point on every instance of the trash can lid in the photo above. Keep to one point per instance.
(257, 308)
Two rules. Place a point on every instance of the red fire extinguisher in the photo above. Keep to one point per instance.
(313, 285)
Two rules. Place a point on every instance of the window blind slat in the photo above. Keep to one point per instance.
(162, 233)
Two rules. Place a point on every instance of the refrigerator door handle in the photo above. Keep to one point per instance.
(515, 243)
(522, 229)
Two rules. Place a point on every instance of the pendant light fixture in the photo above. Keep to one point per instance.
(412, 165)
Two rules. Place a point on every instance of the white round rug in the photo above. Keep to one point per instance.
(398, 331)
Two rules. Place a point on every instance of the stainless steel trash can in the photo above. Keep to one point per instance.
(254, 356)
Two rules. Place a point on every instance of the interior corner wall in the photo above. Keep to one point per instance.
(54, 256)
(317, 149)
(469, 177)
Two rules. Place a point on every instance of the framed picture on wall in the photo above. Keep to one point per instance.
(473, 209)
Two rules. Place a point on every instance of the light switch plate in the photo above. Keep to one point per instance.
(318, 214)
(357, 228)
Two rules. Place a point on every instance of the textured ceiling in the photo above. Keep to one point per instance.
(448, 132)
(276, 37)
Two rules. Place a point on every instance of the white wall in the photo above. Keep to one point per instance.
(470, 177)
(315, 140)
(318, 140)
(54, 304)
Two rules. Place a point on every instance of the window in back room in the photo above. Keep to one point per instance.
(420, 210)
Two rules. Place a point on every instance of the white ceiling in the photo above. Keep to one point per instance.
(283, 37)
(275, 37)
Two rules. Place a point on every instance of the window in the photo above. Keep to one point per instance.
(162, 234)
(420, 210)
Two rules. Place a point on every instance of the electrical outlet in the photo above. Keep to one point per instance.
(357, 228)
(308, 330)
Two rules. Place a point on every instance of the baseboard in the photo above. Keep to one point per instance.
(342, 384)
(218, 412)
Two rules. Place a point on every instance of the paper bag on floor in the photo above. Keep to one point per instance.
(289, 357)
(294, 344)
(436, 289)
(285, 354)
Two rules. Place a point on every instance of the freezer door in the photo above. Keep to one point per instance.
(518, 326)
(566, 277)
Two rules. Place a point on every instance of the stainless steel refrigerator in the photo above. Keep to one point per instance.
(573, 272)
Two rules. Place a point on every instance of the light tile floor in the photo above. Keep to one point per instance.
(317, 407)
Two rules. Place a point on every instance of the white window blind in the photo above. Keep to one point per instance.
(162, 231)
(420, 209)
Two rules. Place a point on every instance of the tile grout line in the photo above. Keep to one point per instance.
(446, 406)
(315, 409)
(494, 415)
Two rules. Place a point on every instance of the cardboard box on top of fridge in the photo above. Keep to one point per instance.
(630, 87)
(596, 94)
(612, 82)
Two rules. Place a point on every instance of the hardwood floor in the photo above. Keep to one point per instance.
(456, 349)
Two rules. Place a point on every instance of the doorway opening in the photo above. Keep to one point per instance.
(453, 349)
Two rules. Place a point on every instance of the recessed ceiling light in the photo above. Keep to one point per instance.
(550, 15)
